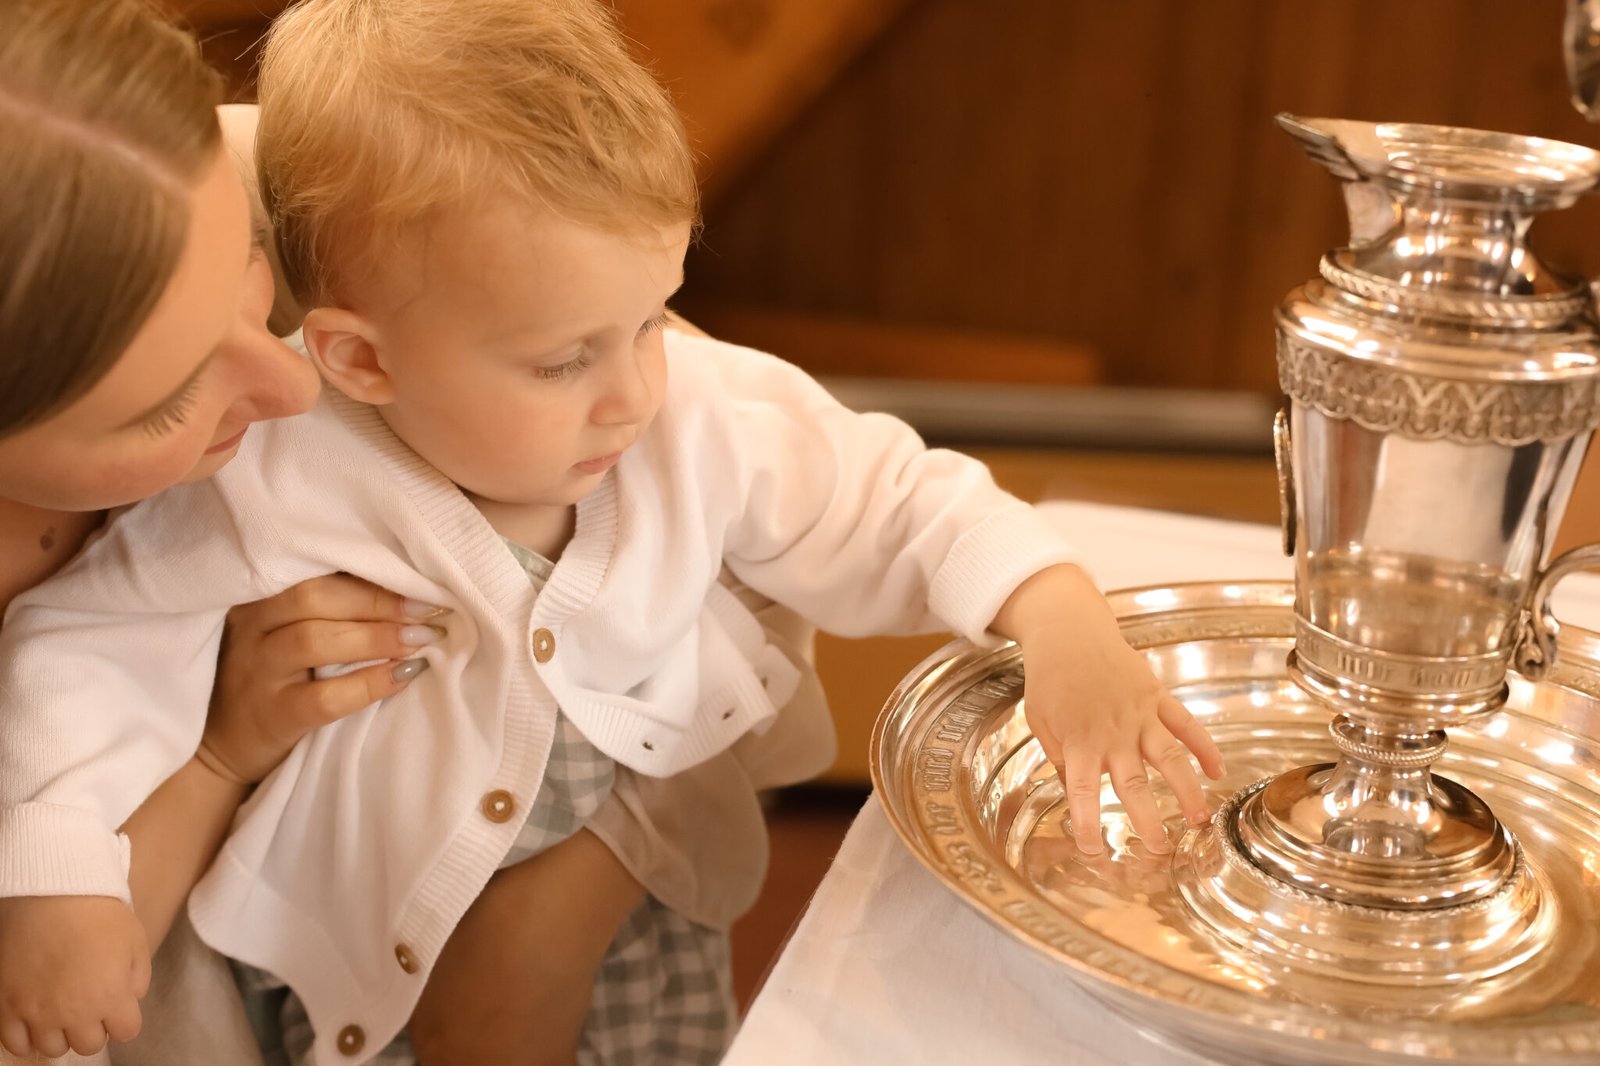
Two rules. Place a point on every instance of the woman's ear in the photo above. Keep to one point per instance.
(343, 346)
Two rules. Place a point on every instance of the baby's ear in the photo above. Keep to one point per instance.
(342, 346)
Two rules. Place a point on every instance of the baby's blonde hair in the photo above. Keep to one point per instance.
(377, 113)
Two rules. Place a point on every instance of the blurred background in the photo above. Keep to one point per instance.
(1049, 232)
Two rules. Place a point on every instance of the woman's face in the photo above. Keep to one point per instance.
(175, 406)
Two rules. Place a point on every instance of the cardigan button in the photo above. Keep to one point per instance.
(406, 958)
(544, 645)
(498, 806)
(351, 1040)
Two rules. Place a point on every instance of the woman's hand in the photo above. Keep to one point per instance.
(266, 699)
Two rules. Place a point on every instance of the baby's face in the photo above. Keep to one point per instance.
(525, 351)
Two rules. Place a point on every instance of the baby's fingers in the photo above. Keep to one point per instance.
(14, 1037)
(51, 1043)
(1192, 735)
(123, 1022)
(86, 1038)
(1080, 777)
(1172, 760)
(1132, 786)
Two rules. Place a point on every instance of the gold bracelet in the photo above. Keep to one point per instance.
(213, 762)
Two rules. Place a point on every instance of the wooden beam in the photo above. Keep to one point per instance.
(742, 69)
(829, 345)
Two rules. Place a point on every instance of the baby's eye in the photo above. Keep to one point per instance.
(656, 323)
(570, 367)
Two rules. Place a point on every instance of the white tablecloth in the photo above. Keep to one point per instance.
(887, 966)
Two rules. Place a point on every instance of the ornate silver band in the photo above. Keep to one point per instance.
(1514, 312)
(1429, 407)
(1389, 674)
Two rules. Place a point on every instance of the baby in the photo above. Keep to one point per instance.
(487, 203)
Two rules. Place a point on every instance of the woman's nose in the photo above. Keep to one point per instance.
(271, 379)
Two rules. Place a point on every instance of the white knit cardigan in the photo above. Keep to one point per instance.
(373, 834)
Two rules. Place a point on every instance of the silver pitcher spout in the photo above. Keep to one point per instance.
(1443, 385)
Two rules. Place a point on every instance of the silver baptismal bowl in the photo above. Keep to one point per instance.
(969, 790)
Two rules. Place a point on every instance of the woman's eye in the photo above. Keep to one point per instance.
(258, 238)
(175, 413)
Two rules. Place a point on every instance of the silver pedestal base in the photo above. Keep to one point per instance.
(1366, 951)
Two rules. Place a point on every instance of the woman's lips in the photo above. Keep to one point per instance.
(598, 466)
(229, 443)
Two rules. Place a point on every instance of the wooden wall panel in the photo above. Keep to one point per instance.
(740, 70)
(1109, 174)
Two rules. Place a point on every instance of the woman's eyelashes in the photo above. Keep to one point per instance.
(258, 239)
(175, 413)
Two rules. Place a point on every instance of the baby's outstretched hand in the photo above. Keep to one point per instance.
(1095, 707)
(72, 972)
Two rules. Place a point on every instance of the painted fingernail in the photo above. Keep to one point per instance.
(409, 669)
(416, 636)
(419, 609)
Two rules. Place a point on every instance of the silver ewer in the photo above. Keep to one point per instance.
(1443, 385)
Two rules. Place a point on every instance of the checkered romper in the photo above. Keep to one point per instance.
(663, 995)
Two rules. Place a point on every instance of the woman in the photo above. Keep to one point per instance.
(134, 355)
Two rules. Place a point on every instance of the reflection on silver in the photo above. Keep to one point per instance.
(1581, 38)
(1443, 385)
(1281, 981)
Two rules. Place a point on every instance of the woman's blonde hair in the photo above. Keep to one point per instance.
(107, 120)
(376, 113)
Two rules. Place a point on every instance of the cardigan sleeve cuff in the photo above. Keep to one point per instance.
(50, 850)
(987, 564)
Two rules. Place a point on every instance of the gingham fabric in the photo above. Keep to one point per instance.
(663, 996)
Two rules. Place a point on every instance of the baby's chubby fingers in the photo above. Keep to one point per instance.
(14, 1037)
(51, 1043)
(1080, 779)
(124, 1022)
(1077, 763)
(1132, 785)
(1192, 735)
(1171, 759)
(86, 1038)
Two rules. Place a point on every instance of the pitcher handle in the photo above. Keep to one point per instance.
(1535, 652)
